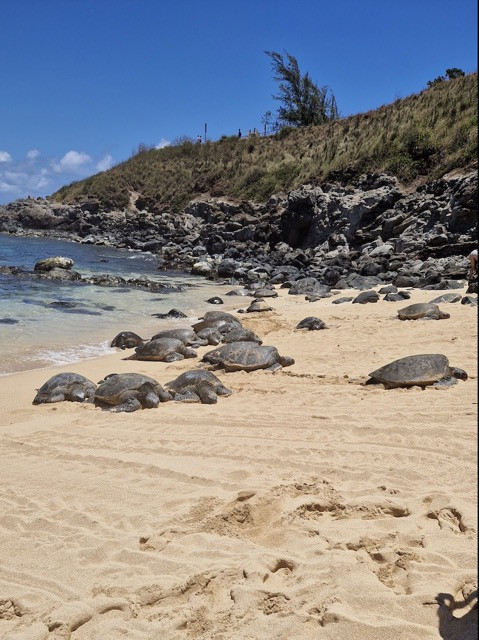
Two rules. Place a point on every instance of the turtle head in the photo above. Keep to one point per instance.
(147, 395)
(458, 373)
(286, 361)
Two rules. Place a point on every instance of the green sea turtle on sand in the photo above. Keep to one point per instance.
(426, 310)
(126, 340)
(197, 386)
(188, 336)
(258, 306)
(241, 334)
(163, 350)
(211, 335)
(247, 356)
(311, 323)
(419, 370)
(128, 392)
(222, 323)
(65, 386)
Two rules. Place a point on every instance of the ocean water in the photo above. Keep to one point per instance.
(48, 322)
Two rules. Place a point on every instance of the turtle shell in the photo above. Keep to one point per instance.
(117, 388)
(418, 310)
(421, 370)
(158, 349)
(65, 386)
(248, 356)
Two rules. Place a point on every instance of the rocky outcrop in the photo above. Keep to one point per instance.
(370, 232)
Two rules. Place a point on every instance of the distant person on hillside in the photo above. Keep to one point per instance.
(239, 133)
(198, 139)
(473, 260)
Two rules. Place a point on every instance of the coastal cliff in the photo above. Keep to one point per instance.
(375, 229)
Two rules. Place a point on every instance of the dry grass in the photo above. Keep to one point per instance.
(423, 136)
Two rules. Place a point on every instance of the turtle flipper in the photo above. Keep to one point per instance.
(130, 405)
(447, 381)
(206, 393)
(187, 396)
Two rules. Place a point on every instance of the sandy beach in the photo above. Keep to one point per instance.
(304, 506)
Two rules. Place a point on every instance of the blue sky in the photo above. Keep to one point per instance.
(84, 82)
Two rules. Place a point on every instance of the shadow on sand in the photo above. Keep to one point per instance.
(453, 625)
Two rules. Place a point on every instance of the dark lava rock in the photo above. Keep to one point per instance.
(397, 297)
(469, 300)
(308, 285)
(8, 321)
(214, 300)
(53, 263)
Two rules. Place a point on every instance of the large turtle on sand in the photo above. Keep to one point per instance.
(426, 310)
(128, 392)
(188, 337)
(247, 356)
(126, 340)
(163, 350)
(211, 335)
(420, 370)
(220, 324)
(312, 324)
(65, 386)
(197, 386)
(241, 334)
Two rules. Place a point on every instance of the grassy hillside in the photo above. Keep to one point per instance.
(425, 135)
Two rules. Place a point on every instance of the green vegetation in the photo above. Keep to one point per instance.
(303, 102)
(450, 75)
(420, 137)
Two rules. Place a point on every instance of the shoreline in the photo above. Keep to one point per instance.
(305, 502)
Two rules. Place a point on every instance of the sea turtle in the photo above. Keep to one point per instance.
(312, 323)
(220, 324)
(447, 297)
(65, 386)
(188, 337)
(197, 386)
(129, 392)
(163, 350)
(241, 334)
(247, 356)
(422, 310)
(211, 335)
(126, 340)
(420, 370)
(265, 293)
(258, 306)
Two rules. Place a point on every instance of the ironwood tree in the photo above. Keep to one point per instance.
(303, 103)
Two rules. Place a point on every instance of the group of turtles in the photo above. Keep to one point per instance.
(240, 349)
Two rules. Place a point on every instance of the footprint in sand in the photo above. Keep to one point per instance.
(449, 518)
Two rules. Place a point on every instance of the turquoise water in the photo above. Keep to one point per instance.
(57, 323)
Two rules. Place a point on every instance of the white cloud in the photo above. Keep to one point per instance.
(37, 175)
(163, 143)
(72, 162)
(105, 163)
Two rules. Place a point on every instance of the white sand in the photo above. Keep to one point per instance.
(303, 506)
